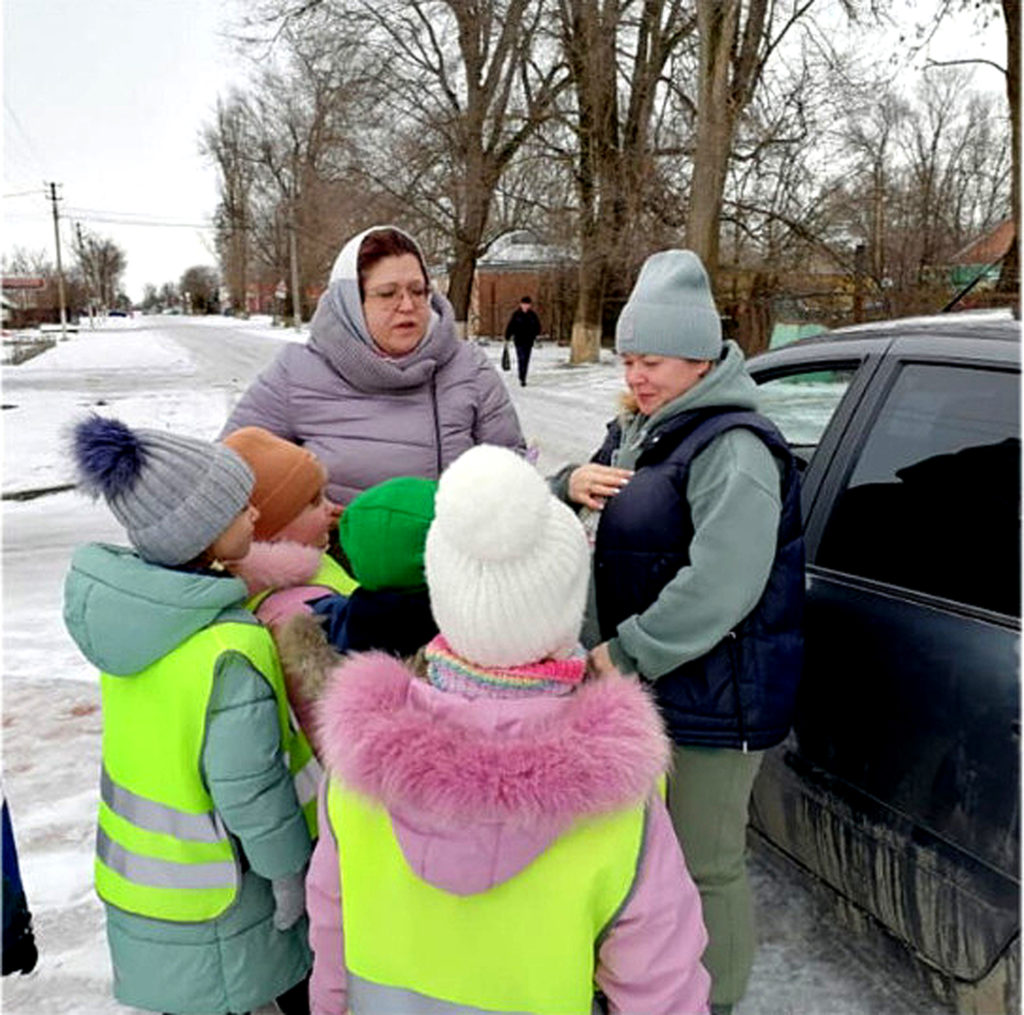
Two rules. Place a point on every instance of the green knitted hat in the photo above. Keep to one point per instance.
(383, 532)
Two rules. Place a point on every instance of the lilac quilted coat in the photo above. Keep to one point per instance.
(368, 417)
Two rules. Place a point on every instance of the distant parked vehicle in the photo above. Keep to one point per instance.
(899, 786)
(117, 312)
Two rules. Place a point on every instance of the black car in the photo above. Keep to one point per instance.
(899, 785)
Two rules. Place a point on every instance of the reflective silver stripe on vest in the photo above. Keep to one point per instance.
(365, 995)
(307, 781)
(154, 817)
(147, 870)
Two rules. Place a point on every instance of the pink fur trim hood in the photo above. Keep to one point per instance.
(477, 788)
(277, 565)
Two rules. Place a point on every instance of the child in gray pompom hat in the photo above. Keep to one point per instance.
(206, 808)
(173, 494)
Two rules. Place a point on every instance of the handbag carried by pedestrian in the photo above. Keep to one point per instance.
(506, 359)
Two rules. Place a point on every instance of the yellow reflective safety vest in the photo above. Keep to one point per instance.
(162, 851)
(330, 574)
(525, 945)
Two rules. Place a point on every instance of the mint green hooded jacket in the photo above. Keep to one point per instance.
(734, 495)
(124, 614)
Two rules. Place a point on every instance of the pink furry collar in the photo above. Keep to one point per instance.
(277, 565)
(409, 745)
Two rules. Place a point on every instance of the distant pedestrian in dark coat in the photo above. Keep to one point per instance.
(523, 328)
(19, 946)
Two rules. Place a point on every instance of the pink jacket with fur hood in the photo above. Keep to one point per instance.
(548, 761)
(286, 568)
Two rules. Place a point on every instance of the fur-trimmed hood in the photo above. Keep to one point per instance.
(277, 565)
(478, 788)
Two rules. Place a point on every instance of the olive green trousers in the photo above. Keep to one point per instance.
(708, 795)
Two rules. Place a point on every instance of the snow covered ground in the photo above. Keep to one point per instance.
(183, 374)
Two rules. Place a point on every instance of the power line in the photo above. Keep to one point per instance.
(24, 136)
(130, 218)
(26, 193)
(111, 220)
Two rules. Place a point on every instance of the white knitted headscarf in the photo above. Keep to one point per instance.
(507, 563)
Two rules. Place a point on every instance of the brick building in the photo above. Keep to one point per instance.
(517, 265)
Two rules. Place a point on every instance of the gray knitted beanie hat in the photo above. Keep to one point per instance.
(174, 495)
(670, 311)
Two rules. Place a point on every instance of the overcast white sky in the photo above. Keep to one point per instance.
(106, 97)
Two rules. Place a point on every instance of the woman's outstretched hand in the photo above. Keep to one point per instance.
(591, 484)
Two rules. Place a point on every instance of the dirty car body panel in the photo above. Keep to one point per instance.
(899, 785)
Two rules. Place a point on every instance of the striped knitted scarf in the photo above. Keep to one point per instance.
(449, 672)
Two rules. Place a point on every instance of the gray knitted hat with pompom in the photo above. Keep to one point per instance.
(174, 495)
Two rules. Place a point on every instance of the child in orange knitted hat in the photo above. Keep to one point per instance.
(288, 565)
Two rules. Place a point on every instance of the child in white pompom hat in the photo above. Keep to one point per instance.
(496, 829)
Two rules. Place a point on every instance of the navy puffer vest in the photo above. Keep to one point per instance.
(741, 693)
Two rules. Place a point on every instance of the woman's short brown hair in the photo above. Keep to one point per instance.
(380, 243)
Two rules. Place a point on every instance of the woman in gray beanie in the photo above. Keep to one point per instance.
(202, 842)
(697, 577)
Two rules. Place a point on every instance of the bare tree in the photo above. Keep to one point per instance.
(917, 178)
(606, 41)
(285, 150)
(199, 284)
(475, 83)
(170, 296)
(102, 263)
(1009, 276)
(466, 85)
(737, 39)
(229, 143)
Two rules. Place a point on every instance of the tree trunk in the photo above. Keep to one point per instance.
(590, 39)
(293, 256)
(479, 184)
(586, 326)
(1009, 273)
(460, 284)
(717, 26)
(706, 190)
(243, 264)
(753, 314)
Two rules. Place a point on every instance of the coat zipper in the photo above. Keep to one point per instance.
(437, 423)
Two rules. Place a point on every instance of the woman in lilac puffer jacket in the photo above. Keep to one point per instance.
(383, 387)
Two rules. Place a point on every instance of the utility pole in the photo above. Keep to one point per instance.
(60, 270)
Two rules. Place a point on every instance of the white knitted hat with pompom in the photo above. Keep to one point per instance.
(507, 563)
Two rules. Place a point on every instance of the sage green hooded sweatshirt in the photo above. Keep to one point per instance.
(734, 493)
(124, 614)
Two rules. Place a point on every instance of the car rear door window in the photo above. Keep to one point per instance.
(933, 502)
(801, 404)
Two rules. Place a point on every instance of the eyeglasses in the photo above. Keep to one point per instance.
(391, 295)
